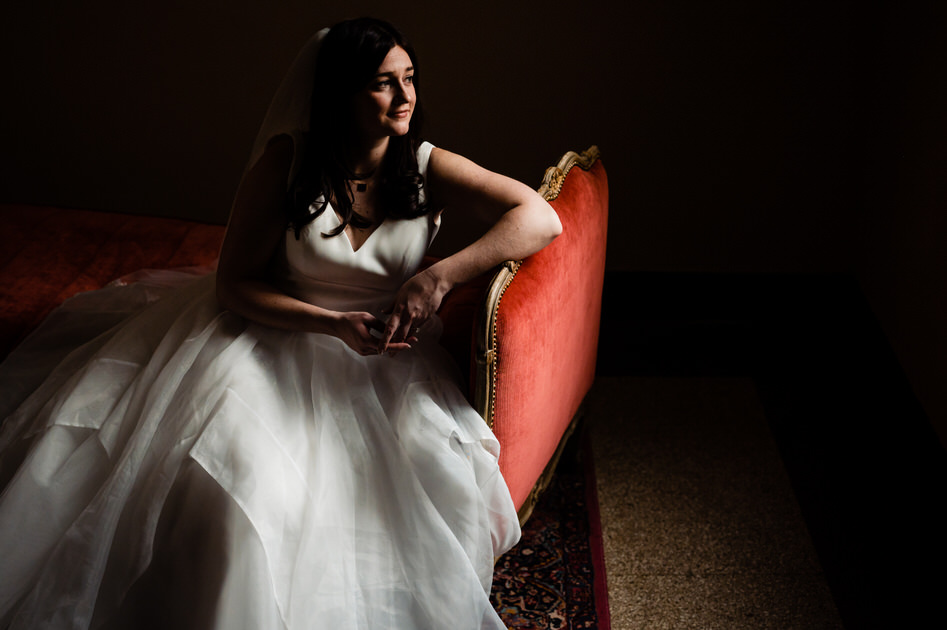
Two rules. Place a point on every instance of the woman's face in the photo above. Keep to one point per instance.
(385, 106)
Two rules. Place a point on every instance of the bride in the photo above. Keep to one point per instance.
(281, 444)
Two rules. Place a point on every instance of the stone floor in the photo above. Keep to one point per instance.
(761, 459)
(700, 526)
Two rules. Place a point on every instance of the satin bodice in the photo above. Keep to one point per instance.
(328, 272)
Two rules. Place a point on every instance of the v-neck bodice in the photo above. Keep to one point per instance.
(348, 235)
(327, 272)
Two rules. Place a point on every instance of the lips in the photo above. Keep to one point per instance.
(404, 113)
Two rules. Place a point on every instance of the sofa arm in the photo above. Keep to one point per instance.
(537, 334)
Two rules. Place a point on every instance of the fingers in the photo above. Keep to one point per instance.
(375, 331)
(415, 302)
(373, 349)
(390, 329)
(364, 332)
(369, 345)
(407, 331)
(395, 348)
(400, 333)
(367, 335)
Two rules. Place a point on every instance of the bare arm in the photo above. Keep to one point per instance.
(525, 223)
(256, 227)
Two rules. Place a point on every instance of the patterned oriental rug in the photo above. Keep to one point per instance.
(555, 576)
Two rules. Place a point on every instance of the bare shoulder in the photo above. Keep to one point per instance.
(446, 163)
(455, 180)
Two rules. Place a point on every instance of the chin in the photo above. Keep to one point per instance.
(400, 130)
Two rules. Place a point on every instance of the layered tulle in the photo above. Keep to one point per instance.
(168, 462)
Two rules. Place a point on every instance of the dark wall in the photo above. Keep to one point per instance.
(902, 223)
(723, 125)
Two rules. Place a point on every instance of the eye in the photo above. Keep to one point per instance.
(409, 79)
(384, 83)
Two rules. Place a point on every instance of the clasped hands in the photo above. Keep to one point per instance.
(416, 302)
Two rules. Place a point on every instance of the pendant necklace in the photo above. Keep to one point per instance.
(362, 186)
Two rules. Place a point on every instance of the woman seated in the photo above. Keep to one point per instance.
(281, 444)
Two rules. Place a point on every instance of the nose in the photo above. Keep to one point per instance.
(404, 92)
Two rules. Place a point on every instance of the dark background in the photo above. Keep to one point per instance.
(777, 137)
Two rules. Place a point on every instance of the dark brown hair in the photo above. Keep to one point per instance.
(349, 57)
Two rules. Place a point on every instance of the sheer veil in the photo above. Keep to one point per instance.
(288, 112)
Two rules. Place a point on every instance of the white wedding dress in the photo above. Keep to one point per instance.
(169, 463)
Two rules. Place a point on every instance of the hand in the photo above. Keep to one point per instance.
(355, 329)
(416, 302)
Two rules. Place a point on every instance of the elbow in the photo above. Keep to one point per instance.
(555, 228)
(541, 226)
(551, 225)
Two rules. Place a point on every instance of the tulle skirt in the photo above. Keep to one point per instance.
(167, 464)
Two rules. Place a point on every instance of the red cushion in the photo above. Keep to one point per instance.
(49, 254)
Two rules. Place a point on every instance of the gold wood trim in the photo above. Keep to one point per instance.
(485, 389)
(556, 175)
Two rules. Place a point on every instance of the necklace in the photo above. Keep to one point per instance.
(361, 183)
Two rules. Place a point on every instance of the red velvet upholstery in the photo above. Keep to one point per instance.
(547, 333)
(49, 254)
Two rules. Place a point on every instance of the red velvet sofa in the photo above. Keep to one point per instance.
(525, 336)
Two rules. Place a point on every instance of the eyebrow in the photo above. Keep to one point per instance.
(393, 72)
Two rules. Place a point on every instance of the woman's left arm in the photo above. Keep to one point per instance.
(524, 224)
